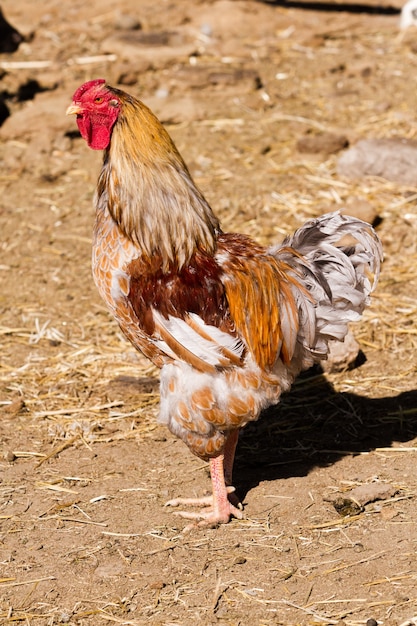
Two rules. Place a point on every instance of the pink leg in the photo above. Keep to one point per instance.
(222, 507)
(229, 455)
(219, 508)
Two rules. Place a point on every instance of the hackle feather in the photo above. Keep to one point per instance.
(149, 191)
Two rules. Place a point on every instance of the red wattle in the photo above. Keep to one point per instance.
(96, 134)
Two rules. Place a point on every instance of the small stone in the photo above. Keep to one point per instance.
(361, 209)
(394, 159)
(151, 48)
(157, 584)
(10, 456)
(239, 560)
(347, 507)
(327, 143)
(370, 492)
(15, 407)
(65, 617)
(162, 93)
(127, 21)
(371, 622)
(358, 547)
(206, 29)
(128, 78)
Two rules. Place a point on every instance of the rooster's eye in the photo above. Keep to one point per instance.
(98, 100)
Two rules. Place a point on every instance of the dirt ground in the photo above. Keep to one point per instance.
(84, 468)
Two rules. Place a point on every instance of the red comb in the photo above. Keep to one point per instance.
(86, 86)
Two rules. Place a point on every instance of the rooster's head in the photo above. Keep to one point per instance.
(97, 108)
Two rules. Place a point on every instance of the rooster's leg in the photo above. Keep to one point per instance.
(218, 507)
(229, 455)
(229, 458)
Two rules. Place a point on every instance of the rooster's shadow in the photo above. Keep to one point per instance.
(314, 426)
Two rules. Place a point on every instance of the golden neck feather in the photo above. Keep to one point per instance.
(149, 191)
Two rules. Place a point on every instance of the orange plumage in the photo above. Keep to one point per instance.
(229, 322)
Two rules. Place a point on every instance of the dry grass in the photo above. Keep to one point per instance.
(74, 503)
(76, 390)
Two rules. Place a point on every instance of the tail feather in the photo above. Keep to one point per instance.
(336, 258)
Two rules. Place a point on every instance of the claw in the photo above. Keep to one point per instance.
(205, 501)
(210, 515)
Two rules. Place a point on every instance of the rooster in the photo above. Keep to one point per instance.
(229, 322)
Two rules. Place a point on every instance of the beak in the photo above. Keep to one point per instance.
(74, 109)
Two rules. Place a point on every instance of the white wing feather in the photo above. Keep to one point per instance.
(209, 350)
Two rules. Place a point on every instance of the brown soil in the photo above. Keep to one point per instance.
(85, 469)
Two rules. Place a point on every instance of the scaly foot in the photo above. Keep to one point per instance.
(219, 507)
(216, 511)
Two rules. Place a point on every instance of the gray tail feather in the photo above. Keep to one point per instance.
(337, 261)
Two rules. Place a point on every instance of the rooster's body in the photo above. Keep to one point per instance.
(229, 323)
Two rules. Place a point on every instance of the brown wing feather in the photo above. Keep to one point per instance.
(196, 288)
(261, 302)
